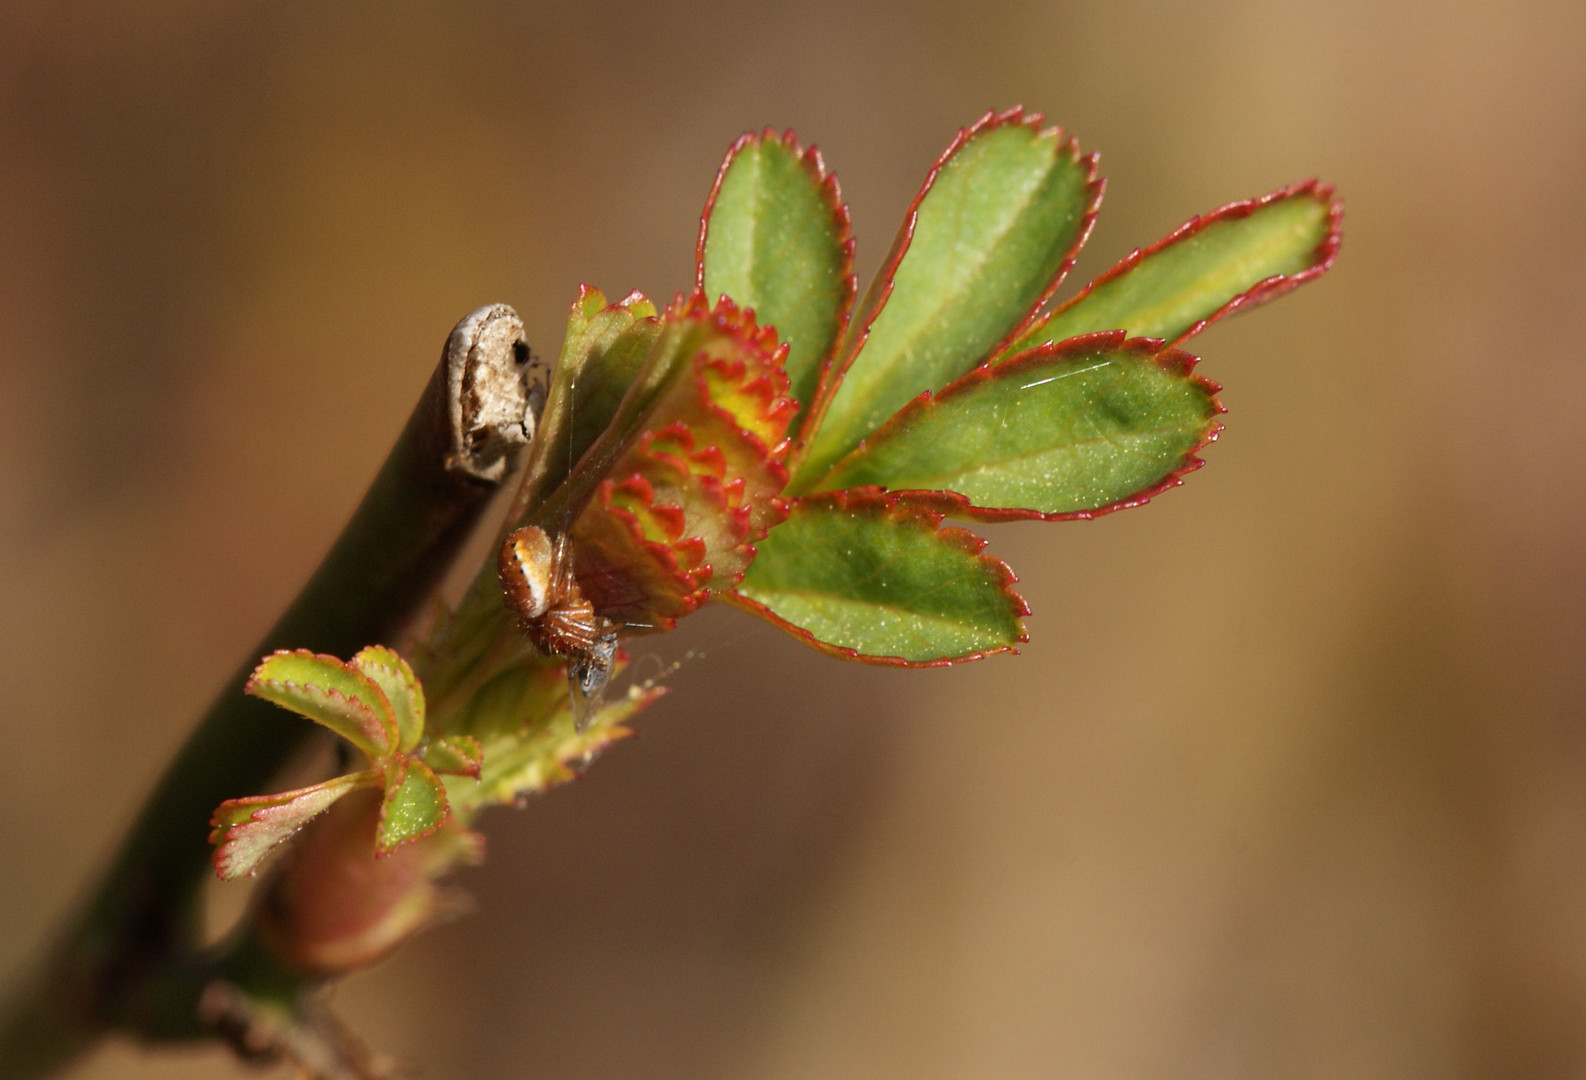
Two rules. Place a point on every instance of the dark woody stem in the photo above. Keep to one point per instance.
(130, 960)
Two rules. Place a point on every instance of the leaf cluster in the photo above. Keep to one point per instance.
(375, 703)
(955, 388)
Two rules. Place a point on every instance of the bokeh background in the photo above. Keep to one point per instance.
(1291, 778)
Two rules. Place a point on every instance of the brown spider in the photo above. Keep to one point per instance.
(542, 591)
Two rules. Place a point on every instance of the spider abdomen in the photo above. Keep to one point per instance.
(571, 627)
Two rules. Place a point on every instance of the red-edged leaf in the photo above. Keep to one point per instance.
(247, 830)
(693, 334)
(1231, 259)
(632, 560)
(455, 755)
(614, 343)
(863, 575)
(605, 348)
(414, 805)
(990, 236)
(401, 687)
(687, 476)
(1063, 431)
(330, 693)
(775, 237)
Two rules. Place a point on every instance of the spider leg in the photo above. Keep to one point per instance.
(562, 562)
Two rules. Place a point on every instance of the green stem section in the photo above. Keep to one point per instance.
(130, 959)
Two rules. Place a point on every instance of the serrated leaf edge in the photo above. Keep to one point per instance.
(561, 507)
(880, 290)
(399, 767)
(391, 732)
(1271, 288)
(664, 555)
(902, 507)
(472, 752)
(388, 659)
(813, 164)
(221, 833)
(952, 504)
(769, 385)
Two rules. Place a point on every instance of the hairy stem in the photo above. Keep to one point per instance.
(130, 958)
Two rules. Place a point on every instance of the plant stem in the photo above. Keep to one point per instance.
(130, 960)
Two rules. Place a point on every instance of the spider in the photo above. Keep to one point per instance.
(542, 592)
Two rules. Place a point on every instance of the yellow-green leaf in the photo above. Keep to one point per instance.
(555, 751)
(415, 804)
(605, 346)
(247, 830)
(457, 755)
(1234, 258)
(330, 693)
(401, 687)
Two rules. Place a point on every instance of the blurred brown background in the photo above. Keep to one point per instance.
(1291, 779)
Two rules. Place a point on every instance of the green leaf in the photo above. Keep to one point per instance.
(530, 687)
(249, 829)
(1234, 258)
(556, 751)
(330, 693)
(775, 237)
(605, 346)
(872, 577)
(988, 239)
(1065, 430)
(459, 755)
(610, 348)
(401, 687)
(414, 806)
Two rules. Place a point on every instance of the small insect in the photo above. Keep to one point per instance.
(542, 591)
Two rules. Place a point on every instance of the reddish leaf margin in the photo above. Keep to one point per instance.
(396, 775)
(826, 180)
(880, 289)
(716, 446)
(951, 504)
(905, 508)
(1270, 289)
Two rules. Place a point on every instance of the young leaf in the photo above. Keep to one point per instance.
(530, 687)
(605, 346)
(987, 240)
(866, 576)
(458, 755)
(1231, 259)
(249, 829)
(673, 384)
(775, 237)
(633, 559)
(414, 806)
(541, 757)
(613, 345)
(396, 680)
(1070, 430)
(610, 347)
(330, 693)
(687, 476)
